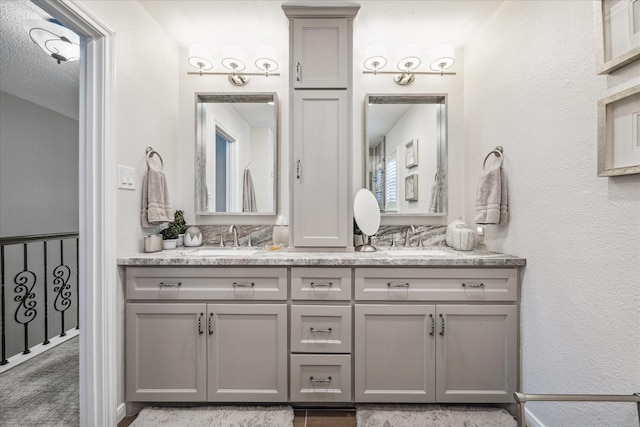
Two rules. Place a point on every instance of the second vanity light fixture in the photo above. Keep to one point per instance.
(442, 58)
(200, 57)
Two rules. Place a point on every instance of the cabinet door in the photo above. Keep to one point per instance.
(247, 352)
(320, 169)
(320, 53)
(166, 352)
(394, 353)
(476, 353)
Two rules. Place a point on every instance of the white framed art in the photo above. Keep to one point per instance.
(617, 33)
(619, 133)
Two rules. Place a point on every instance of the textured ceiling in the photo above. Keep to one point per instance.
(26, 71)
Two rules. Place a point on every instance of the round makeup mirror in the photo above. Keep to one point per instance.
(366, 213)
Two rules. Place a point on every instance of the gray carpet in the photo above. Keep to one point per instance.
(216, 416)
(432, 416)
(43, 391)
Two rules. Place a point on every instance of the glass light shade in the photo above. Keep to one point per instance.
(410, 55)
(233, 58)
(375, 57)
(443, 57)
(267, 58)
(200, 57)
(57, 41)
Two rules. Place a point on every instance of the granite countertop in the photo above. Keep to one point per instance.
(434, 256)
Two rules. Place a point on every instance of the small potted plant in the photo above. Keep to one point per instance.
(178, 220)
(170, 236)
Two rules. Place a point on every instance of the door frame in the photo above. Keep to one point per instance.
(97, 216)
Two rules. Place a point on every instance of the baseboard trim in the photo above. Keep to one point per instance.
(531, 420)
(38, 349)
(121, 412)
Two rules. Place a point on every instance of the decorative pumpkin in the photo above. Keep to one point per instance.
(193, 237)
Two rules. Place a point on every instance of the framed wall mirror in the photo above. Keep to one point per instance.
(406, 143)
(236, 154)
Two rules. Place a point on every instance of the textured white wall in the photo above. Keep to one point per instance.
(530, 86)
(145, 112)
(38, 169)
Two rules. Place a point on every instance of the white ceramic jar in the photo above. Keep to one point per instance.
(463, 238)
(449, 233)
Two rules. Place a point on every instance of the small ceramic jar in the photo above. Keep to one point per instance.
(449, 233)
(463, 238)
(193, 237)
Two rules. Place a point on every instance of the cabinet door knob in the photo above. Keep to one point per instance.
(442, 328)
(433, 325)
(209, 324)
(200, 331)
(298, 72)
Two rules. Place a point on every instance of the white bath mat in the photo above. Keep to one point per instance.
(432, 416)
(215, 416)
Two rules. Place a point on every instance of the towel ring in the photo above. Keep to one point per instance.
(150, 152)
(498, 152)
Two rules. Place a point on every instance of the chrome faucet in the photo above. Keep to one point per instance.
(407, 235)
(233, 230)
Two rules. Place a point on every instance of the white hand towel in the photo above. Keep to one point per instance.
(491, 198)
(156, 207)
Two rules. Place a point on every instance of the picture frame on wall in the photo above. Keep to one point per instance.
(619, 133)
(617, 33)
(411, 187)
(411, 153)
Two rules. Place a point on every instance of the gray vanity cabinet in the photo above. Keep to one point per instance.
(209, 348)
(320, 152)
(436, 335)
(320, 56)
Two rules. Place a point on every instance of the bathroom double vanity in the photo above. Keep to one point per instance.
(322, 328)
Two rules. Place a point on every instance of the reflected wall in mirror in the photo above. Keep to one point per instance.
(236, 154)
(406, 136)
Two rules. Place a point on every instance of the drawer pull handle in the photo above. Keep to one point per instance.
(243, 285)
(397, 285)
(433, 325)
(200, 331)
(321, 285)
(209, 324)
(322, 380)
(170, 284)
(481, 286)
(298, 72)
(326, 330)
(443, 320)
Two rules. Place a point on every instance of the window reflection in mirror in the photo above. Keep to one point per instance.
(406, 153)
(236, 154)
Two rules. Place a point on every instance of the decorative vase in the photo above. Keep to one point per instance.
(280, 235)
(153, 243)
(463, 238)
(193, 237)
(180, 239)
(169, 243)
(449, 233)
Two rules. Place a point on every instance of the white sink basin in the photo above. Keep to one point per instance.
(418, 252)
(224, 252)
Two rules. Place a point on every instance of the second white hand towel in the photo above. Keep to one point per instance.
(491, 198)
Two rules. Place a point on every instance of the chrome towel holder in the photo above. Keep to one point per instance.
(150, 153)
(498, 152)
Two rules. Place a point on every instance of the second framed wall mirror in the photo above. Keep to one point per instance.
(405, 153)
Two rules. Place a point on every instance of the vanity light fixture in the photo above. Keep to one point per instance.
(57, 41)
(442, 58)
(233, 60)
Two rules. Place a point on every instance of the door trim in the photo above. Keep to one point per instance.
(97, 217)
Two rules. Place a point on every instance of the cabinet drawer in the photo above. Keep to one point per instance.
(320, 378)
(320, 329)
(442, 284)
(321, 284)
(178, 283)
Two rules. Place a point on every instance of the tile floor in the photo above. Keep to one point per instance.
(305, 418)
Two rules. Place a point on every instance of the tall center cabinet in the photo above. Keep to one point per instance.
(321, 95)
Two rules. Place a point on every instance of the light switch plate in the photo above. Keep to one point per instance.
(126, 178)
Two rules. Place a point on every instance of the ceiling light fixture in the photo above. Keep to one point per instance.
(57, 41)
(234, 61)
(442, 58)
